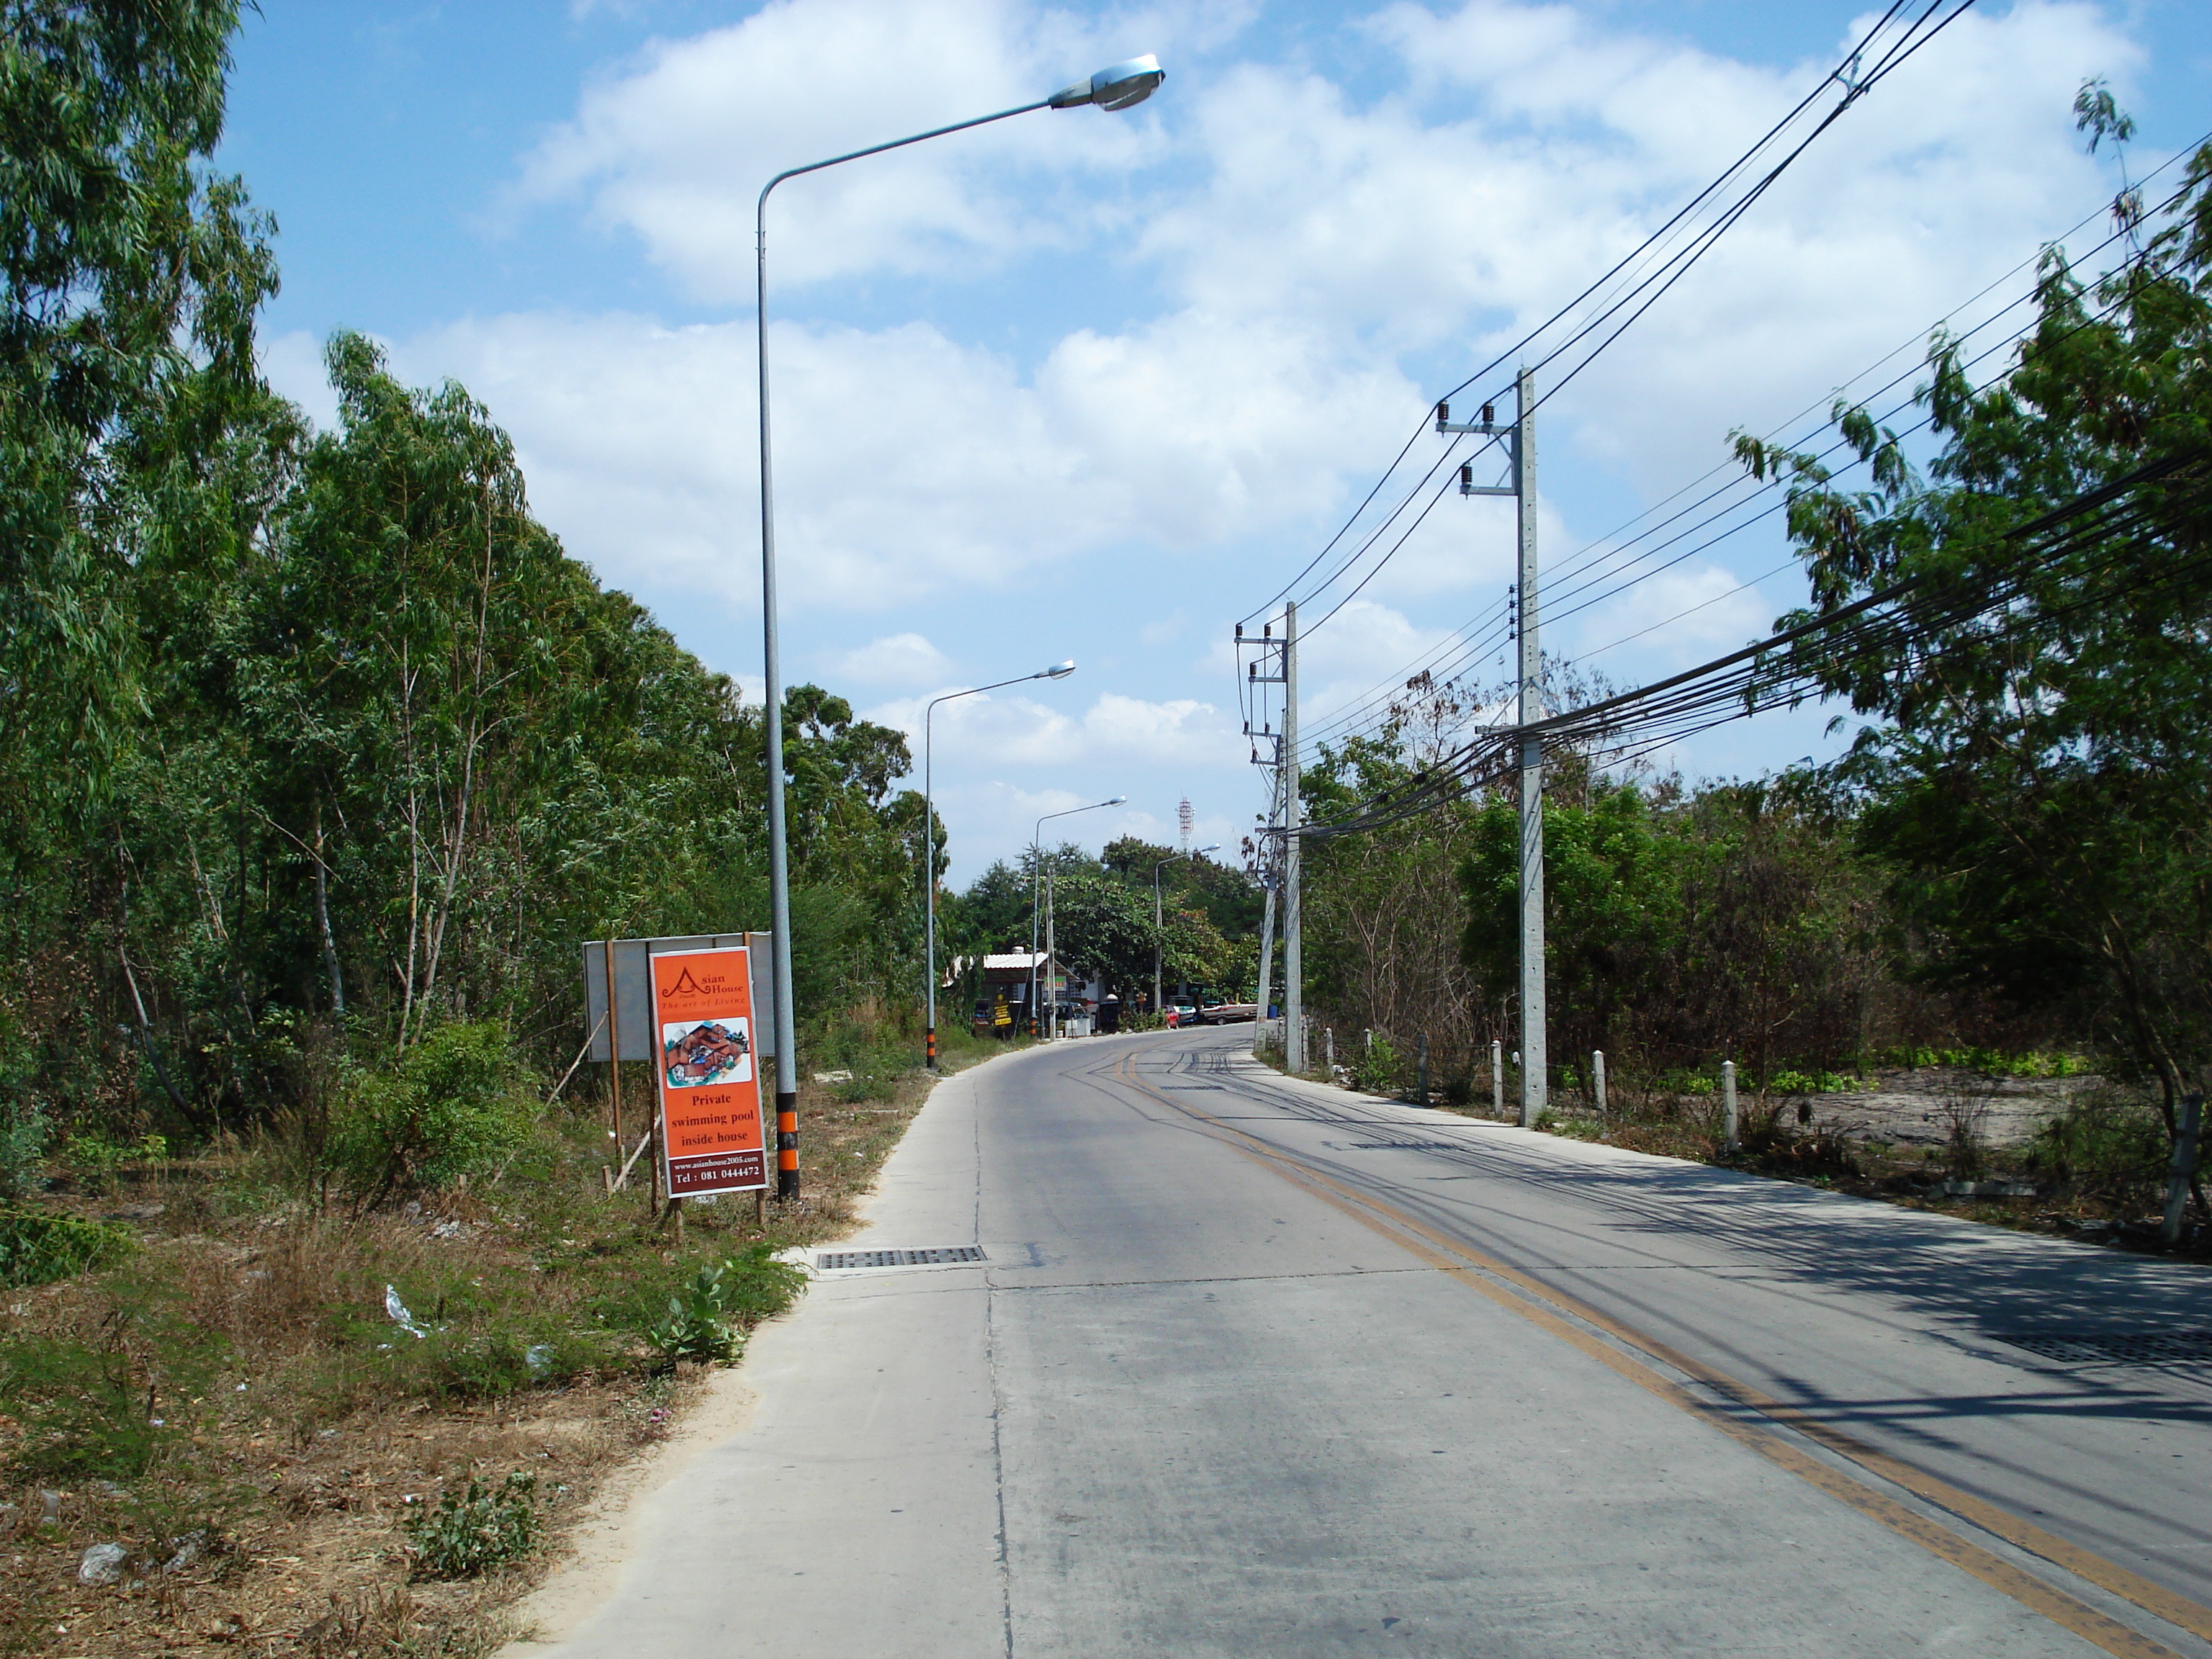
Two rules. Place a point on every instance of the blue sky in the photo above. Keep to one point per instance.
(1094, 385)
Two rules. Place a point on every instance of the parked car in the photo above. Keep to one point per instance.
(1184, 1014)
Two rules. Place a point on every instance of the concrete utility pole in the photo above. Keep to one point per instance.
(1521, 445)
(1270, 881)
(1533, 1070)
(1294, 1036)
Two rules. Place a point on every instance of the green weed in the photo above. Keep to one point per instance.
(113, 1408)
(36, 1249)
(707, 1316)
(1817, 1083)
(2035, 1063)
(466, 1532)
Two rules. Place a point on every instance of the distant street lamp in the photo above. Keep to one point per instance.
(1159, 920)
(1057, 671)
(1116, 87)
(1037, 869)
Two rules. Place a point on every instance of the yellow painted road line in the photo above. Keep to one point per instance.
(1423, 1243)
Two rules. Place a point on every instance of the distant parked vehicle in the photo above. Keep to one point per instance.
(1182, 1013)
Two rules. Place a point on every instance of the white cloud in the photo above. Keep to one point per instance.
(1116, 728)
(906, 660)
(674, 147)
(639, 443)
(1322, 246)
(1533, 146)
(293, 364)
(1679, 616)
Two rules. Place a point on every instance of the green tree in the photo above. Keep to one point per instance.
(1103, 930)
(2035, 774)
(1613, 894)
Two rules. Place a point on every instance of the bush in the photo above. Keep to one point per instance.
(23, 1131)
(96, 1161)
(36, 1249)
(447, 1108)
(467, 1532)
(1377, 1071)
(2107, 1144)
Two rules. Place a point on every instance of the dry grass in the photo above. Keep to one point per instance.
(299, 1422)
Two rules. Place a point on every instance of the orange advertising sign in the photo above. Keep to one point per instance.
(711, 1136)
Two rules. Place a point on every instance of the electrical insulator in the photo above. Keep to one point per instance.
(1443, 414)
(1489, 415)
(1466, 475)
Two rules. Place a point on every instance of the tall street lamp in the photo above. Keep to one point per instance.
(1037, 870)
(1058, 671)
(1159, 922)
(1117, 87)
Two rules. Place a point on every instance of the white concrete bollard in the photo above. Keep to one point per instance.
(1728, 1102)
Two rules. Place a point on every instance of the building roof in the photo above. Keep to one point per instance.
(1024, 960)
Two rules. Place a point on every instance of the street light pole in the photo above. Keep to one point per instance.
(1114, 89)
(1037, 870)
(1057, 671)
(1159, 922)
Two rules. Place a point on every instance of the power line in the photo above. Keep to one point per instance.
(1649, 285)
(1774, 671)
(1840, 75)
(1750, 490)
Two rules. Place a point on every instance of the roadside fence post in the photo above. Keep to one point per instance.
(1328, 1047)
(1497, 1078)
(1728, 1103)
(1421, 1070)
(2184, 1166)
(1597, 1083)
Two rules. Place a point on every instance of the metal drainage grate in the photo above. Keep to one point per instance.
(2140, 1348)
(937, 1258)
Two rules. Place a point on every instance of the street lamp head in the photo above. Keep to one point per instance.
(1117, 87)
(1059, 671)
(1201, 852)
(1116, 801)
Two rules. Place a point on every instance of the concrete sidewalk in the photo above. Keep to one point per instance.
(872, 1438)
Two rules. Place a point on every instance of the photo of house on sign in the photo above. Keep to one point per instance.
(706, 1051)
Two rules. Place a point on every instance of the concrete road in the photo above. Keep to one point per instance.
(1264, 1369)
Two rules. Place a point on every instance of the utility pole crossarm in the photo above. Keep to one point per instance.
(1487, 427)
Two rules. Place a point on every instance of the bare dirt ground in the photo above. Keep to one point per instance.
(1916, 1107)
